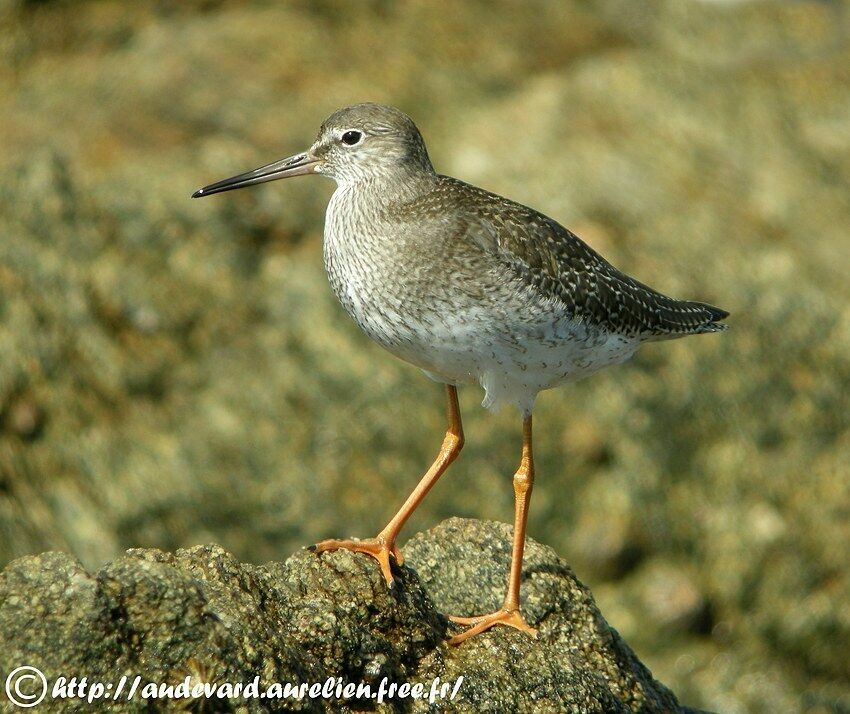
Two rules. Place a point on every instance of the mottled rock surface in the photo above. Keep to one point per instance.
(200, 613)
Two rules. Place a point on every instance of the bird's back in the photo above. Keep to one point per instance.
(541, 254)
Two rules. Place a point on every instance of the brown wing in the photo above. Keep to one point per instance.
(543, 254)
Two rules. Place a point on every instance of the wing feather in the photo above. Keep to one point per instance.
(543, 254)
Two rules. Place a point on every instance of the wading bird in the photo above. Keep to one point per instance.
(470, 287)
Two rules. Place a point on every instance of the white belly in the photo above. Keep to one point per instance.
(512, 360)
(522, 360)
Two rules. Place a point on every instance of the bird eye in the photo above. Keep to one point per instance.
(351, 137)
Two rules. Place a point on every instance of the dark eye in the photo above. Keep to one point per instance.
(351, 137)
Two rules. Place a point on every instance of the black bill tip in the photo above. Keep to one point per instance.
(296, 165)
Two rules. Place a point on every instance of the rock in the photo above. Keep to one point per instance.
(199, 613)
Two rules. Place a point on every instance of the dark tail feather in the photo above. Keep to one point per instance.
(678, 318)
(713, 318)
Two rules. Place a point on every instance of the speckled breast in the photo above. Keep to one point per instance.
(369, 278)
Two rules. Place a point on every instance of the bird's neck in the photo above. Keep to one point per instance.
(381, 189)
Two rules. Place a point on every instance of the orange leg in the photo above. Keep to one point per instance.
(509, 613)
(382, 546)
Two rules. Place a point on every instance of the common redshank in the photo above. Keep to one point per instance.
(469, 287)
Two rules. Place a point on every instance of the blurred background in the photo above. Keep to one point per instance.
(175, 372)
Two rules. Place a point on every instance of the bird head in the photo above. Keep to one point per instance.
(363, 141)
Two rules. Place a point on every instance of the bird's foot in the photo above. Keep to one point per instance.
(506, 616)
(379, 548)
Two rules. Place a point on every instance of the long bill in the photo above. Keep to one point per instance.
(297, 165)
